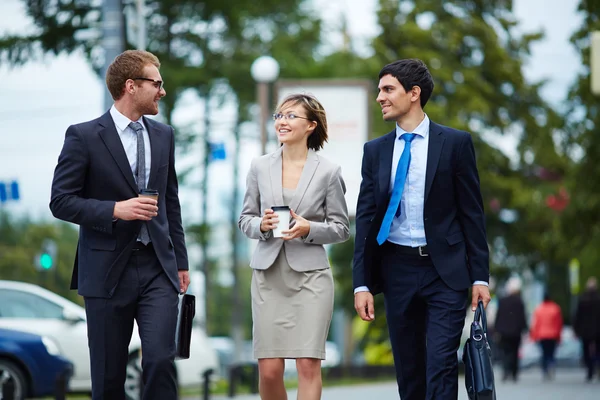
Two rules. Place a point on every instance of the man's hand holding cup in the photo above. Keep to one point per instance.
(144, 207)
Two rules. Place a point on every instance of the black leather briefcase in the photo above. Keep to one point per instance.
(183, 333)
(477, 357)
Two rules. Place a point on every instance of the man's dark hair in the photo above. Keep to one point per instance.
(411, 72)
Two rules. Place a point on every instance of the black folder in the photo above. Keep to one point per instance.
(183, 333)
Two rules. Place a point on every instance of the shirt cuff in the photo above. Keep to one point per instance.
(361, 289)
(484, 283)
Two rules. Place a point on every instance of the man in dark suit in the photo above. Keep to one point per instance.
(587, 326)
(420, 235)
(510, 324)
(131, 260)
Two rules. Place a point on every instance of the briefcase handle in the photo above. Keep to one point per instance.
(480, 316)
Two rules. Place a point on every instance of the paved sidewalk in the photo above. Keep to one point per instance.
(568, 385)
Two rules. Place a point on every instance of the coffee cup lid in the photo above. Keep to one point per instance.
(280, 208)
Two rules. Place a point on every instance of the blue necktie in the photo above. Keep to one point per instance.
(394, 205)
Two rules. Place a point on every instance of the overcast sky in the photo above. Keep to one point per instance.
(39, 101)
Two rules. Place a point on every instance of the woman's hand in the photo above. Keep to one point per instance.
(301, 228)
(269, 221)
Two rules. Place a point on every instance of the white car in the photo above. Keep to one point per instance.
(31, 308)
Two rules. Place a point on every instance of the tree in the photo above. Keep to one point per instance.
(581, 142)
(204, 46)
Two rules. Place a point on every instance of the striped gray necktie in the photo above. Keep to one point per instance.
(140, 175)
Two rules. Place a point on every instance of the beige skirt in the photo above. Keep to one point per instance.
(291, 311)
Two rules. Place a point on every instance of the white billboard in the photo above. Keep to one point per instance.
(346, 103)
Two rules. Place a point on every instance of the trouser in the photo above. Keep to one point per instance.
(548, 348)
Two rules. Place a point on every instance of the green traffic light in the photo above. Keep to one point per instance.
(46, 261)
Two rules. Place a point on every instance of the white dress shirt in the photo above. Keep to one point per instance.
(129, 140)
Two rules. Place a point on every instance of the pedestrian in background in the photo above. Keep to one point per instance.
(510, 325)
(587, 326)
(292, 285)
(546, 329)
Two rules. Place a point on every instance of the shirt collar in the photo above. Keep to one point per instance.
(422, 129)
(121, 121)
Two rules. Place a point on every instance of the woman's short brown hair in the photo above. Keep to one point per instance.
(314, 112)
(127, 65)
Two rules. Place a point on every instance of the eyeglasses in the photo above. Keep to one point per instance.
(157, 84)
(290, 116)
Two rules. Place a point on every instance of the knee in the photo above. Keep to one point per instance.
(271, 371)
(158, 364)
(309, 368)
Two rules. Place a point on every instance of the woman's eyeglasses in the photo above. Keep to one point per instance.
(290, 116)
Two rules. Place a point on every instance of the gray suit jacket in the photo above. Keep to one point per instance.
(319, 198)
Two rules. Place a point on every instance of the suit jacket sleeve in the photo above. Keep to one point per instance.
(66, 202)
(336, 227)
(470, 211)
(365, 212)
(250, 218)
(174, 211)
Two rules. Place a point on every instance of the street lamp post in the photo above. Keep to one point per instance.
(264, 70)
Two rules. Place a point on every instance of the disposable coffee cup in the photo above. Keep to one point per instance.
(283, 214)
(152, 193)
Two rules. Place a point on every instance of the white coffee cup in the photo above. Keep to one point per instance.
(283, 214)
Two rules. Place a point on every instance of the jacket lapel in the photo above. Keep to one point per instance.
(111, 139)
(310, 167)
(386, 154)
(436, 142)
(155, 149)
(275, 171)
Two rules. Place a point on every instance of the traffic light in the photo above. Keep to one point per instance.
(46, 259)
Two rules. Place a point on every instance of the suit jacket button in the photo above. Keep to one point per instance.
(312, 240)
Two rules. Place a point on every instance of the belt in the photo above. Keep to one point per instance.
(422, 251)
(137, 246)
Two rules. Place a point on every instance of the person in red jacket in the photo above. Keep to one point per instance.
(546, 329)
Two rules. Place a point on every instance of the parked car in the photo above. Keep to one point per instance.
(31, 365)
(33, 309)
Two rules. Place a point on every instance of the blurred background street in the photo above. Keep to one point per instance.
(522, 76)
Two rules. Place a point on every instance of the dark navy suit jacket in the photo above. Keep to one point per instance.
(91, 175)
(452, 214)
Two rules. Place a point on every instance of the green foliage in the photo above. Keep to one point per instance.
(581, 232)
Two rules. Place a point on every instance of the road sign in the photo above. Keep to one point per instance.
(9, 191)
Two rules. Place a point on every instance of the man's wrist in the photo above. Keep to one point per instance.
(484, 283)
(361, 289)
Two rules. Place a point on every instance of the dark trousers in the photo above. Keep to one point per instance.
(591, 355)
(548, 349)
(510, 356)
(425, 320)
(146, 295)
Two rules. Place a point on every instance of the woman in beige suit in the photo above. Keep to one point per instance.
(292, 285)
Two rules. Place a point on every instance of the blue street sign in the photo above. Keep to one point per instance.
(217, 151)
(9, 191)
(3, 194)
(14, 190)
